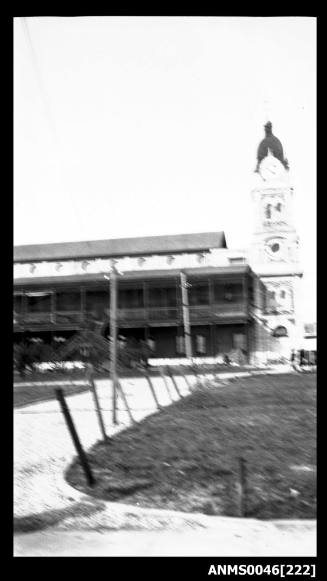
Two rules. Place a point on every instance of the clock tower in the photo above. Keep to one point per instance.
(274, 252)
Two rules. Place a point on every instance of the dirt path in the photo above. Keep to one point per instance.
(229, 538)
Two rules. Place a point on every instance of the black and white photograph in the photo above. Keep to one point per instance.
(164, 288)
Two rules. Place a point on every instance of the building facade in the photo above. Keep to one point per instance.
(58, 287)
(238, 301)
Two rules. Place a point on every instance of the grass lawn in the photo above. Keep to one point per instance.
(187, 456)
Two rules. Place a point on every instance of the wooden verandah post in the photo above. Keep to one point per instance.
(113, 340)
(186, 316)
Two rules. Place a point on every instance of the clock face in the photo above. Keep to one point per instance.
(270, 168)
(275, 248)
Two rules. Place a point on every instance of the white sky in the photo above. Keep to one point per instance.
(144, 126)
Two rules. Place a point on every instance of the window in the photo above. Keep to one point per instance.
(97, 302)
(271, 302)
(39, 302)
(162, 297)
(180, 345)
(228, 292)
(239, 341)
(131, 298)
(228, 295)
(280, 332)
(68, 301)
(17, 303)
(200, 344)
(199, 294)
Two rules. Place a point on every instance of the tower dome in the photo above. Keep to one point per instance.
(272, 143)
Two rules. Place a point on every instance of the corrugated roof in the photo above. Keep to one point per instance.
(120, 247)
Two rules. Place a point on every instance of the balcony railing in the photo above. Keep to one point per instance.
(142, 315)
(149, 314)
(131, 314)
(36, 318)
(227, 308)
(217, 310)
(164, 313)
(43, 318)
(68, 317)
(200, 312)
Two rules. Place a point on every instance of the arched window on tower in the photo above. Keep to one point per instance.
(271, 301)
(280, 331)
(279, 210)
(268, 211)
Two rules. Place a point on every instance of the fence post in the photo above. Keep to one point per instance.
(187, 383)
(113, 341)
(186, 316)
(243, 487)
(98, 409)
(72, 430)
(90, 380)
(197, 374)
(166, 383)
(124, 398)
(146, 374)
(174, 382)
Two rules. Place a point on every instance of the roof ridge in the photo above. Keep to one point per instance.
(159, 244)
(122, 238)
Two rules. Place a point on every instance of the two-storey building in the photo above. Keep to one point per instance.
(58, 286)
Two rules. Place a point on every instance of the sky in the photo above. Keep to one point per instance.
(137, 126)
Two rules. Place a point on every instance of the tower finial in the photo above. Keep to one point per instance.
(270, 145)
